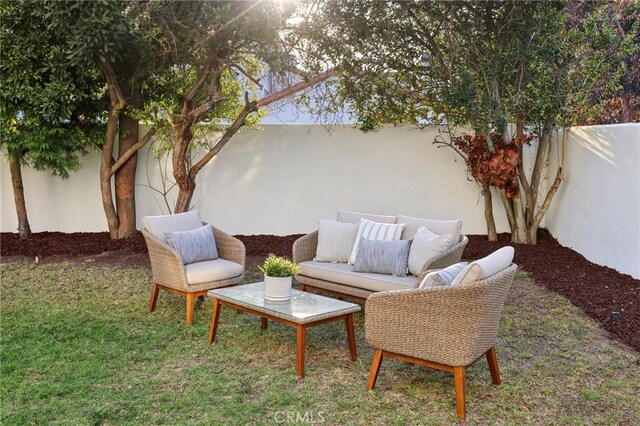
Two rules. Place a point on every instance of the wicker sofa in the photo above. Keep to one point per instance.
(339, 279)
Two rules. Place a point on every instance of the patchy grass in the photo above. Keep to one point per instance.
(78, 347)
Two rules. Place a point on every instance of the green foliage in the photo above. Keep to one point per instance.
(478, 64)
(275, 266)
(51, 110)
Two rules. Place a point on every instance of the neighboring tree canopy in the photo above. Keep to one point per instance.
(51, 111)
(481, 65)
(218, 51)
(188, 69)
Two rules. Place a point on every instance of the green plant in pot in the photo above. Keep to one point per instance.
(277, 277)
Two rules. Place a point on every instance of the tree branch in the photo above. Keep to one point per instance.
(288, 91)
(232, 130)
(556, 182)
(246, 74)
(200, 83)
(118, 102)
(132, 150)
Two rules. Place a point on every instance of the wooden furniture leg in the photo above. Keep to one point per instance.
(376, 362)
(154, 297)
(458, 375)
(215, 317)
(265, 323)
(351, 338)
(300, 346)
(492, 359)
(191, 303)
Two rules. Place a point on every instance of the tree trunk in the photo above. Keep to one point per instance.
(492, 234)
(186, 187)
(24, 230)
(105, 174)
(626, 108)
(125, 178)
(186, 184)
(519, 232)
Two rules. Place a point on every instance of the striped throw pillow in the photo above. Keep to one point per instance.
(443, 277)
(375, 231)
(193, 246)
(383, 257)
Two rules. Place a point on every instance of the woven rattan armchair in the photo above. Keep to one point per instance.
(170, 274)
(446, 328)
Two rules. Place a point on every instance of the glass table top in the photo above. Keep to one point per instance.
(302, 308)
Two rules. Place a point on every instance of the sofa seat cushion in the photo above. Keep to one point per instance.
(342, 273)
(212, 270)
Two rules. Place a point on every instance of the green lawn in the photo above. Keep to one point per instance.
(79, 347)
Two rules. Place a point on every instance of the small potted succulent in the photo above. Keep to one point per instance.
(277, 277)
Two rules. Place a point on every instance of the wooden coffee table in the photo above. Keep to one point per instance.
(304, 310)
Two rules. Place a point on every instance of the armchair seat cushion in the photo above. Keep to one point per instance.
(343, 273)
(212, 270)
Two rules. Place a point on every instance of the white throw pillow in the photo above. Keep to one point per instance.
(375, 231)
(426, 245)
(335, 241)
(442, 277)
(486, 267)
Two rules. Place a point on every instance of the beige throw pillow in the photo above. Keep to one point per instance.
(335, 241)
(426, 245)
(375, 231)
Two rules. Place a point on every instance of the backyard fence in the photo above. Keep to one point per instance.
(282, 178)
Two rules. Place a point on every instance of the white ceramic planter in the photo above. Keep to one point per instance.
(277, 289)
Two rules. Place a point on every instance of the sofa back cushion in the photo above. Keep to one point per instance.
(335, 241)
(158, 225)
(440, 227)
(354, 217)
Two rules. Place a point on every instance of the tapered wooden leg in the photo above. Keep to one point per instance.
(492, 359)
(215, 316)
(154, 297)
(265, 324)
(351, 338)
(301, 343)
(459, 378)
(191, 303)
(376, 362)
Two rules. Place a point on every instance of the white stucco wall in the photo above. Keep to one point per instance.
(597, 208)
(279, 180)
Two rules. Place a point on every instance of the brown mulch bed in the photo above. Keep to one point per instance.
(598, 290)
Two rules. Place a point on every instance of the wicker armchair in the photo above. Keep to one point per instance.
(170, 274)
(446, 328)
